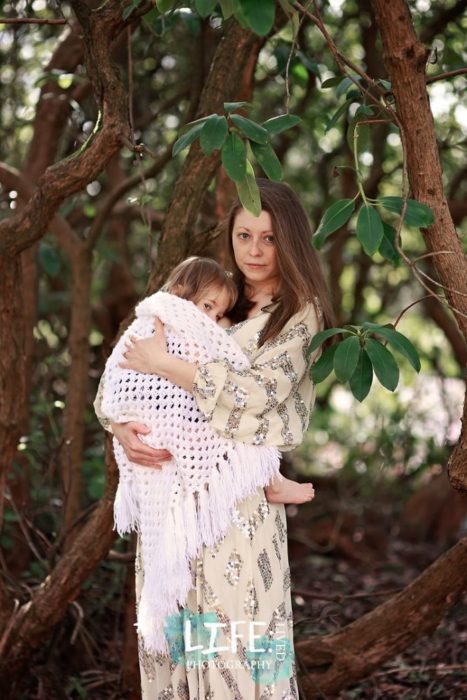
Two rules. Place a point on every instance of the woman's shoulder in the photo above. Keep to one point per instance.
(310, 314)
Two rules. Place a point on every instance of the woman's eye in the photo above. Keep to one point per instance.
(207, 306)
(269, 239)
(243, 235)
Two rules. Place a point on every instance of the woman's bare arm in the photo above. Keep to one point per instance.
(137, 451)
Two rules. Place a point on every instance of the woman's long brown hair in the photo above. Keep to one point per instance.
(300, 270)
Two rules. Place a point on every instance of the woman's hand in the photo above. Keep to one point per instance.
(135, 450)
(146, 354)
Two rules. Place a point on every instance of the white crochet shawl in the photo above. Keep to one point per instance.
(188, 503)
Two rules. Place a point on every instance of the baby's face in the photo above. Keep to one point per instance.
(214, 302)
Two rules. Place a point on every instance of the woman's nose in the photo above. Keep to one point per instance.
(255, 248)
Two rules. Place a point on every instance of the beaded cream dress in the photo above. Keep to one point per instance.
(234, 638)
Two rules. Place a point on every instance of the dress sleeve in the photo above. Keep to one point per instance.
(269, 402)
(105, 422)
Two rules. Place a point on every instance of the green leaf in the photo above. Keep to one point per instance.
(300, 73)
(165, 5)
(384, 83)
(334, 217)
(346, 358)
(343, 86)
(205, 7)
(259, 15)
(384, 364)
(336, 116)
(213, 133)
(399, 343)
(188, 127)
(361, 379)
(387, 247)
(287, 7)
(324, 365)
(130, 9)
(417, 214)
(276, 125)
(248, 191)
(227, 8)
(232, 106)
(187, 139)
(320, 337)
(268, 160)
(254, 131)
(332, 82)
(234, 157)
(364, 111)
(369, 229)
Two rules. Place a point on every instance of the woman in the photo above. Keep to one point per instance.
(235, 638)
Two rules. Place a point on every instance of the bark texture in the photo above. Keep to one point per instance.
(339, 660)
(198, 169)
(405, 60)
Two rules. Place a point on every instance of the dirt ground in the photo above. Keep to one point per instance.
(351, 583)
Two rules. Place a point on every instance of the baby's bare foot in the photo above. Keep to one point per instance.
(288, 491)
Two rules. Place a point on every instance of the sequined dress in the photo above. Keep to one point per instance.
(234, 638)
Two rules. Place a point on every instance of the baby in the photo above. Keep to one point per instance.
(203, 282)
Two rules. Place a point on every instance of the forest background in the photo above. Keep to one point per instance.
(95, 210)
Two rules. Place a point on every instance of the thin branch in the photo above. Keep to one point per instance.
(30, 20)
(417, 301)
(446, 76)
(443, 286)
(435, 252)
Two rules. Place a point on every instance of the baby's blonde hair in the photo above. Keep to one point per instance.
(194, 275)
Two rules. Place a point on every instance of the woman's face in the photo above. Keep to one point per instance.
(254, 249)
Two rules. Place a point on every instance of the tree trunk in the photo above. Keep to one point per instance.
(405, 60)
(71, 453)
(35, 619)
(198, 169)
(338, 660)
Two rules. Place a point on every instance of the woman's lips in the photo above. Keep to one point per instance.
(254, 265)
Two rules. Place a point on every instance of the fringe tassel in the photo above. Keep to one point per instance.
(126, 509)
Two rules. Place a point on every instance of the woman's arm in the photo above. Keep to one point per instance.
(127, 435)
(149, 355)
(268, 403)
(137, 451)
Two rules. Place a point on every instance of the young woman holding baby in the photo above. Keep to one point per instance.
(244, 580)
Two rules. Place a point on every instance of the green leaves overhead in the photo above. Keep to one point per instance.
(234, 157)
(252, 130)
(248, 191)
(324, 365)
(277, 125)
(369, 229)
(334, 217)
(397, 341)
(346, 358)
(259, 15)
(268, 160)
(213, 133)
(417, 214)
(187, 138)
(205, 7)
(388, 247)
(355, 358)
(361, 380)
(384, 364)
(240, 140)
(165, 5)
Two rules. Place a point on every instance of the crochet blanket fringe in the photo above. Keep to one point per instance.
(177, 510)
